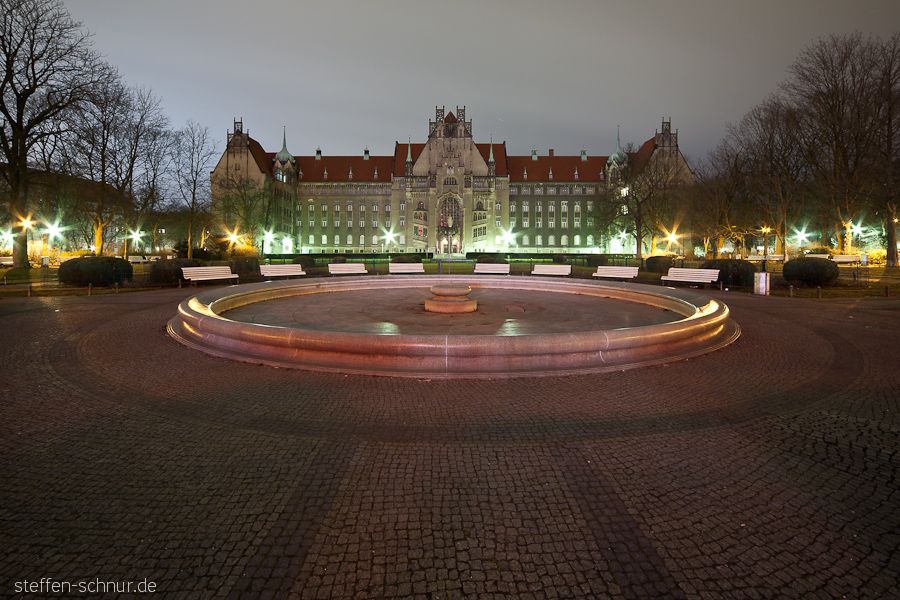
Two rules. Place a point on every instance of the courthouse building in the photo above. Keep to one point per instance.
(448, 193)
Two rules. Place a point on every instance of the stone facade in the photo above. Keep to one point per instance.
(446, 194)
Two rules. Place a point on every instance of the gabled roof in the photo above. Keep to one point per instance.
(400, 154)
(263, 159)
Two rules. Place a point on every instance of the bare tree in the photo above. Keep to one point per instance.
(888, 155)
(194, 151)
(50, 68)
(719, 189)
(832, 89)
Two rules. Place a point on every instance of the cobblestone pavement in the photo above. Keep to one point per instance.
(768, 469)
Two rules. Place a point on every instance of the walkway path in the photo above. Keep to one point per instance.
(770, 469)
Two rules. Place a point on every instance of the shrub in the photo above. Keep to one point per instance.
(306, 261)
(406, 258)
(245, 266)
(660, 263)
(169, 271)
(877, 257)
(819, 250)
(95, 270)
(811, 271)
(561, 259)
(492, 259)
(732, 272)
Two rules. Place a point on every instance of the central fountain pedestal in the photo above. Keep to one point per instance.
(450, 299)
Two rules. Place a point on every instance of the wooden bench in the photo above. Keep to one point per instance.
(618, 272)
(765, 257)
(706, 276)
(397, 268)
(281, 270)
(552, 270)
(347, 269)
(492, 268)
(846, 259)
(195, 274)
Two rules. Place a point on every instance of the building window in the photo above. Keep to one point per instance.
(374, 240)
(337, 207)
(512, 222)
(375, 207)
(324, 239)
(551, 241)
(362, 222)
(551, 190)
(564, 241)
(337, 223)
(362, 240)
(497, 222)
(312, 239)
(402, 206)
(564, 222)
(312, 223)
(524, 240)
(324, 207)
(324, 222)
(564, 205)
(589, 190)
(402, 221)
(590, 205)
(387, 207)
(512, 207)
(538, 222)
(337, 239)
(349, 239)
(525, 206)
(374, 222)
(498, 207)
(578, 207)
(590, 240)
(538, 207)
(552, 207)
(577, 240)
(349, 223)
(349, 207)
(577, 222)
(362, 207)
(539, 241)
(402, 239)
(524, 221)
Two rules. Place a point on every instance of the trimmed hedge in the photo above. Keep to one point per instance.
(306, 261)
(95, 270)
(660, 263)
(491, 259)
(731, 271)
(811, 271)
(406, 258)
(245, 266)
(169, 271)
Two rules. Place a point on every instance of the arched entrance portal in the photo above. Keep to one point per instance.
(449, 233)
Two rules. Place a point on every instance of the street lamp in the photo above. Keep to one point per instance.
(765, 231)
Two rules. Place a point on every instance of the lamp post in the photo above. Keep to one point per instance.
(765, 231)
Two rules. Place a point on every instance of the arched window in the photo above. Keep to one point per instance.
(539, 241)
(312, 239)
(324, 239)
(421, 206)
(590, 240)
(564, 241)
(362, 240)
(337, 239)
(524, 240)
(577, 240)
(551, 241)
(479, 206)
(349, 239)
(374, 240)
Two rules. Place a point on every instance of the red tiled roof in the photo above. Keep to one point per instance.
(639, 159)
(563, 168)
(450, 118)
(263, 159)
(339, 167)
(499, 156)
(400, 157)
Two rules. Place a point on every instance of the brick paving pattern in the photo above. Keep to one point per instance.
(769, 469)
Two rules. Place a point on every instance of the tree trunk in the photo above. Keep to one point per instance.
(890, 229)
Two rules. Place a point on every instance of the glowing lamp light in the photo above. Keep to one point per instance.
(136, 235)
(672, 238)
(54, 230)
(233, 238)
(27, 223)
(857, 229)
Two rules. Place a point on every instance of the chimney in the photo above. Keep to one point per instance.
(551, 151)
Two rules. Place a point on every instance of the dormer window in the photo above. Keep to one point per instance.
(279, 176)
(576, 174)
(551, 173)
(351, 174)
(318, 154)
(525, 174)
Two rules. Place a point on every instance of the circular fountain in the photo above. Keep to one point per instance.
(496, 326)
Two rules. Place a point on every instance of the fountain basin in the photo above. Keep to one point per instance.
(702, 325)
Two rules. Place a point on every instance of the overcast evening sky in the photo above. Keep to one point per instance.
(345, 74)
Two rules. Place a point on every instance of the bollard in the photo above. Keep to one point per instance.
(29, 290)
(887, 292)
(791, 291)
(819, 291)
(720, 286)
(117, 287)
(179, 284)
(89, 289)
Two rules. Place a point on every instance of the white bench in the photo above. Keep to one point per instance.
(396, 268)
(492, 268)
(347, 269)
(195, 274)
(6, 260)
(847, 259)
(281, 270)
(136, 260)
(765, 257)
(825, 256)
(552, 270)
(618, 272)
(692, 275)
